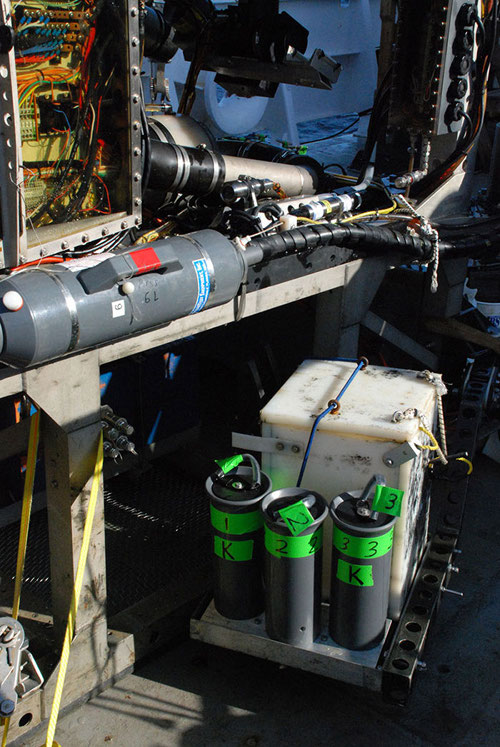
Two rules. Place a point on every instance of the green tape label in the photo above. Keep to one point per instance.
(388, 500)
(293, 547)
(362, 547)
(297, 517)
(356, 575)
(235, 523)
(236, 550)
(229, 463)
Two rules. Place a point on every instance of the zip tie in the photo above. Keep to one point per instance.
(70, 626)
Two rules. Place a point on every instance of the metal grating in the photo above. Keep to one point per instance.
(158, 534)
(157, 537)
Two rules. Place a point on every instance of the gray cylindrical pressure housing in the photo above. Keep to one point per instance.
(361, 572)
(65, 308)
(238, 541)
(292, 569)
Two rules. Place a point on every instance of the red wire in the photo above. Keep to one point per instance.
(41, 261)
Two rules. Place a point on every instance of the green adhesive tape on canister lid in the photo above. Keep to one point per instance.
(362, 547)
(235, 523)
(388, 500)
(297, 517)
(233, 550)
(356, 575)
(229, 463)
(293, 547)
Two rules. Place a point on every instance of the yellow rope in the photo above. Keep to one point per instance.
(25, 523)
(432, 437)
(70, 626)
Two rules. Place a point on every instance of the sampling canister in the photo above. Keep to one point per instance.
(238, 538)
(361, 572)
(292, 567)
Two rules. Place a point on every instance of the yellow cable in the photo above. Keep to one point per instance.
(308, 220)
(70, 626)
(371, 214)
(469, 464)
(25, 523)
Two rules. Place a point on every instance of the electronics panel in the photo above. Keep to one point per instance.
(76, 115)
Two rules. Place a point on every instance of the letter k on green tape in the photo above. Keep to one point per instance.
(297, 517)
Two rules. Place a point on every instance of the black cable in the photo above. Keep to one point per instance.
(338, 166)
(335, 134)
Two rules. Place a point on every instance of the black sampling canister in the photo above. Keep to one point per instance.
(361, 572)
(238, 537)
(292, 567)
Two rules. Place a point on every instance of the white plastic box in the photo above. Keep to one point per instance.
(349, 447)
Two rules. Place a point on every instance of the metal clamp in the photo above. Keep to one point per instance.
(19, 673)
(265, 445)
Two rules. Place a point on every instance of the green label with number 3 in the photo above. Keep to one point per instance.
(388, 500)
(362, 547)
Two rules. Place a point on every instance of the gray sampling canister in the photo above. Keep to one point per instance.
(238, 537)
(361, 571)
(292, 568)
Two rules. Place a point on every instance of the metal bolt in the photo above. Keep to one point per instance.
(85, 238)
(137, 201)
(137, 177)
(421, 666)
(44, 252)
(135, 41)
(137, 151)
(6, 707)
(105, 231)
(124, 225)
(136, 125)
(133, 12)
(454, 568)
(388, 461)
(323, 638)
(257, 621)
(237, 485)
(135, 70)
(280, 446)
(452, 591)
(295, 449)
(135, 98)
(137, 222)
(54, 484)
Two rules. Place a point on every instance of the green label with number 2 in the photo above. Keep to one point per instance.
(362, 547)
(293, 547)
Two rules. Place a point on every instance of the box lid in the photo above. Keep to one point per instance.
(366, 408)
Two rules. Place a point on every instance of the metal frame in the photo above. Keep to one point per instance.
(68, 394)
(323, 657)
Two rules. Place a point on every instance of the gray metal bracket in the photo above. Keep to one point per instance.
(265, 445)
(400, 454)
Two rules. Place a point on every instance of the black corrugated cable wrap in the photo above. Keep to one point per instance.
(362, 236)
